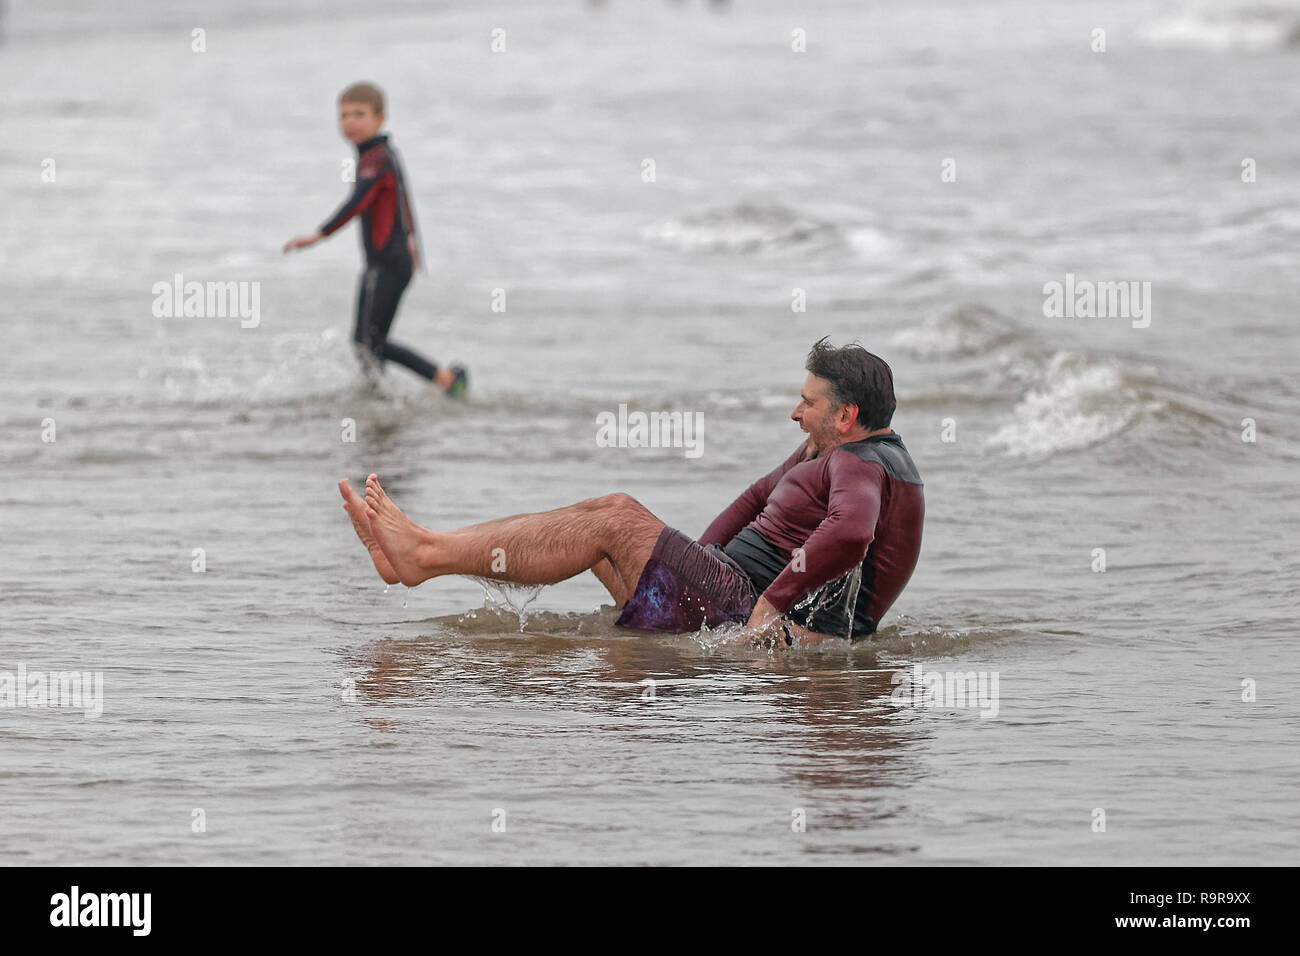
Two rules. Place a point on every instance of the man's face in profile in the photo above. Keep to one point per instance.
(816, 414)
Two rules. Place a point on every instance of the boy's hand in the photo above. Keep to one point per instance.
(302, 242)
(415, 254)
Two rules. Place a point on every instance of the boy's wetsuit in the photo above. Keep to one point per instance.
(387, 222)
(861, 503)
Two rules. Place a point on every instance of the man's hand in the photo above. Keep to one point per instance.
(302, 242)
(415, 253)
(765, 620)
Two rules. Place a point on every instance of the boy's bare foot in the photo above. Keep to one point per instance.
(356, 509)
(406, 545)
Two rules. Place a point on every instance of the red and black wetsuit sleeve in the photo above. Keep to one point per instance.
(404, 210)
(840, 541)
(372, 170)
(380, 198)
(750, 503)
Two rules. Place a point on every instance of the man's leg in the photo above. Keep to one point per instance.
(355, 506)
(613, 536)
(608, 575)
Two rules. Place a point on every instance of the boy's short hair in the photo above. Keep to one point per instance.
(366, 93)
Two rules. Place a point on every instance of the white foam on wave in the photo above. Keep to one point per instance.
(872, 244)
(1251, 29)
(1080, 403)
(740, 228)
(968, 330)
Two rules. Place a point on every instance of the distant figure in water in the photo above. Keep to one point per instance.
(388, 238)
(821, 546)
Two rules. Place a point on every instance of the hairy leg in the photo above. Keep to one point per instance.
(608, 575)
(541, 548)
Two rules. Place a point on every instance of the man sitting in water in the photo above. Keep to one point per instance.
(782, 558)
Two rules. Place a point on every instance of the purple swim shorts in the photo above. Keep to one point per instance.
(684, 585)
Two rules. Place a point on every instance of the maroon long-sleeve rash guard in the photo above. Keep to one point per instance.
(861, 503)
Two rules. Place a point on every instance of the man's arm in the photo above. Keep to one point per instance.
(750, 503)
(840, 542)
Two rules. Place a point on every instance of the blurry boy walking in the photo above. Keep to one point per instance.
(388, 237)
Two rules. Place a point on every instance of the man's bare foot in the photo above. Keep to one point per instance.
(355, 506)
(406, 545)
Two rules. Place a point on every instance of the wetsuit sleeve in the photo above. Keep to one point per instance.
(751, 501)
(369, 174)
(841, 541)
(404, 208)
(406, 213)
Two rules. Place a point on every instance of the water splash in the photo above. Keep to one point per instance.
(504, 596)
(843, 590)
(854, 585)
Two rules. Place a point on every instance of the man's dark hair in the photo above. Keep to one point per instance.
(858, 378)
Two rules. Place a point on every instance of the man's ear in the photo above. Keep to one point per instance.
(844, 424)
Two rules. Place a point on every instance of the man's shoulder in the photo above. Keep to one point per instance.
(889, 452)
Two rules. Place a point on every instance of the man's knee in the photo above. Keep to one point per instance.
(630, 531)
(625, 507)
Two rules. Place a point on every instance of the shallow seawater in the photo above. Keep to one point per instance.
(182, 536)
